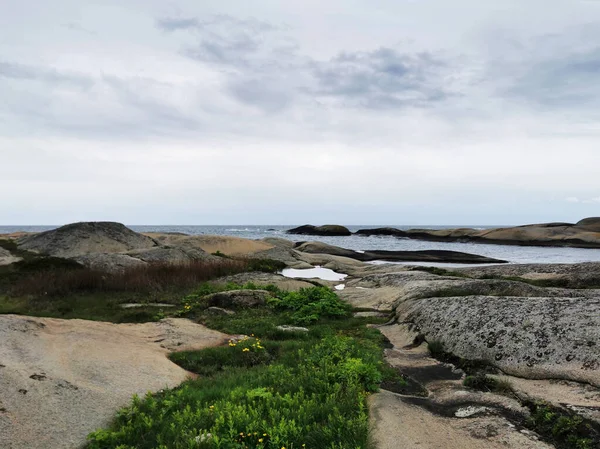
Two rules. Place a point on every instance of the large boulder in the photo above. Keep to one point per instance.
(238, 299)
(325, 230)
(535, 337)
(591, 224)
(86, 238)
(263, 279)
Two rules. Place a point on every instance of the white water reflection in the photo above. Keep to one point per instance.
(314, 273)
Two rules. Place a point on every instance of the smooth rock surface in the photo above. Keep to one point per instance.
(112, 262)
(62, 379)
(395, 256)
(238, 298)
(85, 238)
(584, 234)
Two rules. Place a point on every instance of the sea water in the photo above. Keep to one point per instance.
(514, 254)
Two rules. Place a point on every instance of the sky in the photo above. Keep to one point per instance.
(290, 112)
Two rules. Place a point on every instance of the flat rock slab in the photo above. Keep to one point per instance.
(397, 424)
(62, 379)
(133, 305)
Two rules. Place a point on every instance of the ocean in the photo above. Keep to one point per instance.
(514, 254)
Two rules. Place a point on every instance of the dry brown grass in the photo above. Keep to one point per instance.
(150, 279)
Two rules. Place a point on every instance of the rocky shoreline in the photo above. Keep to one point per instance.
(583, 234)
(536, 325)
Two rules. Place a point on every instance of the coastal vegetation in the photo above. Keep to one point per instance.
(63, 288)
(270, 388)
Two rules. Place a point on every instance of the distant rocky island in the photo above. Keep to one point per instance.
(583, 234)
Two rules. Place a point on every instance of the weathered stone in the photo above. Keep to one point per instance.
(263, 279)
(238, 298)
(532, 337)
(220, 311)
(287, 328)
(592, 223)
(86, 238)
(110, 263)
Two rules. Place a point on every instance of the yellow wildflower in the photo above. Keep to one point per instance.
(246, 349)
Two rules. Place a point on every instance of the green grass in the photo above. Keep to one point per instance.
(94, 307)
(563, 428)
(271, 390)
(483, 382)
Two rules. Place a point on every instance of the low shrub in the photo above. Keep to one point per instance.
(265, 265)
(483, 382)
(563, 428)
(436, 348)
(311, 304)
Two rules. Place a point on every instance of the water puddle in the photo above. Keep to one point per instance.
(314, 273)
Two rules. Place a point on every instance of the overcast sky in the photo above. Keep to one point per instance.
(284, 112)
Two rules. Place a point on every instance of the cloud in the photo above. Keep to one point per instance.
(349, 112)
(46, 75)
(573, 199)
(267, 69)
(74, 26)
(557, 71)
(382, 78)
(174, 24)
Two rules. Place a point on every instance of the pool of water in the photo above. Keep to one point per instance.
(314, 273)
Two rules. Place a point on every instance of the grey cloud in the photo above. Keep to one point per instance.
(213, 21)
(253, 50)
(262, 93)
(565, 81)
(232, 42)
(107, 107)
(383, 78)
(46, 75)
(234, 50)
(133, 92)
(172, 24)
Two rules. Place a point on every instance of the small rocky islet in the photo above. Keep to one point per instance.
(533, 326)
(583, 234)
